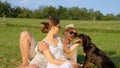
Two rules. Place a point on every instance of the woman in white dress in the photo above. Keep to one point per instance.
(52, 47)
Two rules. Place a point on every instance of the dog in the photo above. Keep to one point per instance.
(93, 54)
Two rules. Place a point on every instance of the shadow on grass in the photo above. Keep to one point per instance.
(80, 58)
(114, 58)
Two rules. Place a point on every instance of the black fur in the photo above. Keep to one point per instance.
(93, 54)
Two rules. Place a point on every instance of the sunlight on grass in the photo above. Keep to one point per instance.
(105, 34)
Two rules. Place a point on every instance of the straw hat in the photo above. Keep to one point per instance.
(69, 25)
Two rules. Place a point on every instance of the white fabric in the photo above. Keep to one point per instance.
(32, 49)
(58, 54)
(40, 60)
(64, 65)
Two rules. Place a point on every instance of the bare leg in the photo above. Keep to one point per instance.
(25, 43)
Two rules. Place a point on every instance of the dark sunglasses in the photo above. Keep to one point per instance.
(75, 33)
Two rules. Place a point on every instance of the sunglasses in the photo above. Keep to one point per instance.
(75, 33)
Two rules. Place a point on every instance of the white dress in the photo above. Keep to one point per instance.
(58, 53)
(39, 59)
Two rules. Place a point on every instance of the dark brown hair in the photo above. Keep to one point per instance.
(47, 25)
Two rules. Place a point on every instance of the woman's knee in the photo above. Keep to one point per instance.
(25, 35)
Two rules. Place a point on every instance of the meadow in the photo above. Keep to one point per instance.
(105, 34)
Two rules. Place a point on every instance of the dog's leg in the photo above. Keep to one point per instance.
(87, 63)
(99, 65)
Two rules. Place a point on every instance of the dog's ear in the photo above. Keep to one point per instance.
(89, 38)
(80, 35)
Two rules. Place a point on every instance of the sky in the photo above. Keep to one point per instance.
(104, 6)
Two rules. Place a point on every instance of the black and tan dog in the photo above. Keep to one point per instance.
(93, 54)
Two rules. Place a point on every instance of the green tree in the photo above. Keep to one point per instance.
(117, 17)
(62, 12)
(26, 13)
(83, 14)
(49, 11)
(98, 15)
(74, 13)
(4, 8)
(91, 14)
(109, 17)
(37, 13)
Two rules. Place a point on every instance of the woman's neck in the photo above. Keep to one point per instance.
(50, 36)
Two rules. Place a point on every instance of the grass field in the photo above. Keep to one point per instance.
(105, 34)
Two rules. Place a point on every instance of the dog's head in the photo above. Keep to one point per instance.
(85, 38)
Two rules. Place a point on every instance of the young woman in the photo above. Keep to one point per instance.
(69, 34)
(52, 47)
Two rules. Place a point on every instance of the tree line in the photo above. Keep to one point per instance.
(73, 13)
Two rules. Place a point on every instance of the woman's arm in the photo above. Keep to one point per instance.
(43, 47)
(50, 58)
(71, 48)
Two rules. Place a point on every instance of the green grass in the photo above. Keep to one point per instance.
(105, 34)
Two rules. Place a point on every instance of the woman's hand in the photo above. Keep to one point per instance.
(43, 46)
(78, 41)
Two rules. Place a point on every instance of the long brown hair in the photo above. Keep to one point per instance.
(47, 25)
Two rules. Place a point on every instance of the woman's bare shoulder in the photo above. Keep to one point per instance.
(42, 45)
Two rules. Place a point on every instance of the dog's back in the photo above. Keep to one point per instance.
(102, 61)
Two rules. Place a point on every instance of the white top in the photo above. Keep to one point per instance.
(57, 51)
